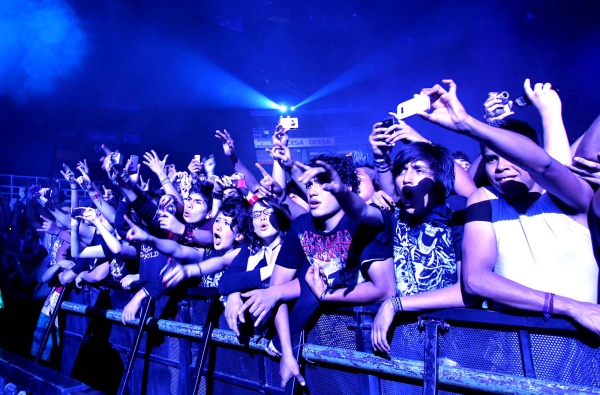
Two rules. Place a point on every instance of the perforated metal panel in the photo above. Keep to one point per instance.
(565, 360)
(482, 349)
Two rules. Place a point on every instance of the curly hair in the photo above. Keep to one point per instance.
(240, 216)
(345, 167)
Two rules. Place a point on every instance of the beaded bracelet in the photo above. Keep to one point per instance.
(165, 181)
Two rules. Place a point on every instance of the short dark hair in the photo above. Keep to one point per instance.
(461, 155)
(438, 158)
(235, 209)
(203, 188)
(345, 167)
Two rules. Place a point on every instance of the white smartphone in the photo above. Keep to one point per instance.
(413, 106)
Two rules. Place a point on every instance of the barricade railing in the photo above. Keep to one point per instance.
(379, 374)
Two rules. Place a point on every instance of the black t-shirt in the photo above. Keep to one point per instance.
(341, 252)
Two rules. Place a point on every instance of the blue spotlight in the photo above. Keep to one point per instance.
(292, 108)
(283, 108)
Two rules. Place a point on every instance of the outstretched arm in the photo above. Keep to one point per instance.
(228, 148)
(352, 204)
(551, 175)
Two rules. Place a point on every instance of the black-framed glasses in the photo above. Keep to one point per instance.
(267, 212)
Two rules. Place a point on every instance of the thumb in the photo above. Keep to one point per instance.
(300, 379)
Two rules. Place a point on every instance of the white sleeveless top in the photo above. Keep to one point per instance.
(544, 249)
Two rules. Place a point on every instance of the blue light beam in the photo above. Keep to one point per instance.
(41, 43)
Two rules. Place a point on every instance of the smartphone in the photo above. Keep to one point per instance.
(288, 123)
(386, 123)
(133, 164)
(197, 158)
(77, 212)
(413, 106)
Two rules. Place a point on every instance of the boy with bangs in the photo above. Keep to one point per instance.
(426, 227)
(327, 257)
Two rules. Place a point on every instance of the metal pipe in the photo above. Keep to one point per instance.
(397, 367)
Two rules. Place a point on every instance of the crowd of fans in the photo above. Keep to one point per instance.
(516, 228)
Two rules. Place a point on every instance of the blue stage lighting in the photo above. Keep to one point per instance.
(283, 108)
(292, 108)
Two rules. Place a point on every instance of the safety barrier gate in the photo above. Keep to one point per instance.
(454, 351)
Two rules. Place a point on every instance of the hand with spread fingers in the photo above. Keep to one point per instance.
(155, 164)
(259, 303)
(226, 140)
(329, 178)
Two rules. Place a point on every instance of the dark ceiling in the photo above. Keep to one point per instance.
(219, 57)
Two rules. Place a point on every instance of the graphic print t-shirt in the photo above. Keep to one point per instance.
(340, 252)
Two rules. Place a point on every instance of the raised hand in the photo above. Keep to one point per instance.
(155, 164)
(135, 233)
(330, 179)
(378, 139)
(144, 185)
(281, 154)
(491, 107)
(83, 167)
(401, 131)
(280, 136)
(49, 226)
(543, 97)
(168, 222)
(68, 174)
(195, 166)
(446, 110)
(268, 185)
(226, 140)
(108, 194)
(209, 165)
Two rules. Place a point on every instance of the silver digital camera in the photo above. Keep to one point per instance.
(505, 106)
